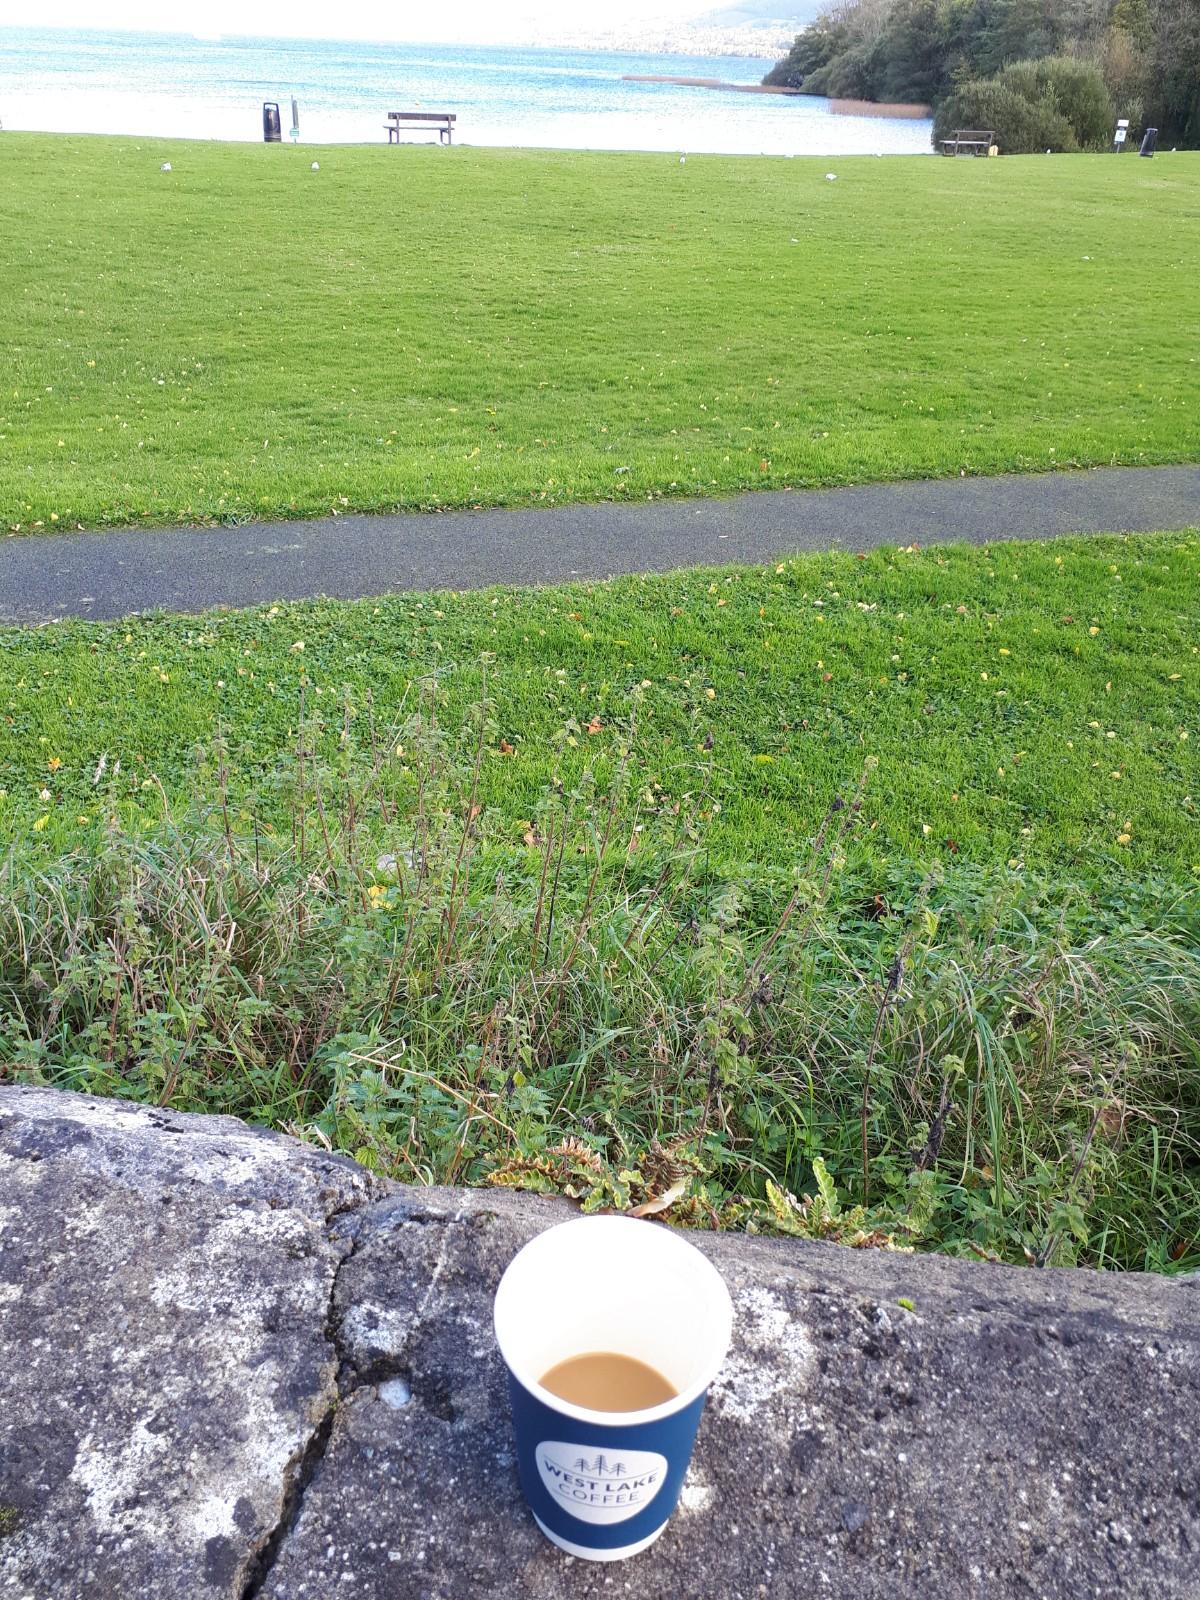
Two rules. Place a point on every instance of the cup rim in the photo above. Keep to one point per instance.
(718, 1342)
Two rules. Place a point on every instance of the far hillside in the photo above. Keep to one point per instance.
(762, 14)
(1045, 74)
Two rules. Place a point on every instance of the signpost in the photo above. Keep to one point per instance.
(295, 120)
(1119, 137)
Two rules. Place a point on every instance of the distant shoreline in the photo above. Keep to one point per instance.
(705, 83)
(842, 108)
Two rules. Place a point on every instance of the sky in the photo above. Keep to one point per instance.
(483, 20)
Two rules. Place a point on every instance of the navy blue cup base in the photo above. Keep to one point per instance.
(601, 1490)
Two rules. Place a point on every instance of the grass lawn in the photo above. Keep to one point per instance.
(246, 338)
(1032, 704)
(533, 886)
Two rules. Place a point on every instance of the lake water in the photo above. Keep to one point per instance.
(177, 85)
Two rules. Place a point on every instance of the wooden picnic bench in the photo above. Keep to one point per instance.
(977, 140)
(443, 121)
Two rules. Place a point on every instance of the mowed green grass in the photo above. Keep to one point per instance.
(422, 327)
(1030, 704)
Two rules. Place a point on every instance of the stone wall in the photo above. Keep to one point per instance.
(234, 1367)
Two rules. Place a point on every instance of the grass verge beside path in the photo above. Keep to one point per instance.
(1030, 704)
(986, 1063)
(245, 338)
(554, 888)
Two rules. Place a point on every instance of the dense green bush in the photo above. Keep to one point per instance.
(813, 50)
(852, 75)
(1146, 52)
(1056, 103)
(914, 50)
(1021, 126)
(1074, 88)
(1172, 72)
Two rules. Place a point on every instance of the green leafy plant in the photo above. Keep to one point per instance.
(969, 1062)
(1054, 103)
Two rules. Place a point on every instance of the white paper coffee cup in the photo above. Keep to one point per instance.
(603, 1484)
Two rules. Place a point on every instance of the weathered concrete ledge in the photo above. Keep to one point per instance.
(233, 1366)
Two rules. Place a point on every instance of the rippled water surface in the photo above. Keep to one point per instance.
(180, 85)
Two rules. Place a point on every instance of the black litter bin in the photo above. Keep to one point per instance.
(1149, 140)
(272, 128)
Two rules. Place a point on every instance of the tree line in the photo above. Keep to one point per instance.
(1045, 74)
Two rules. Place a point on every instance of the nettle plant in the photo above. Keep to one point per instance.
(592, 1006)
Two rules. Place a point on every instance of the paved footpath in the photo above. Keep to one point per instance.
(119, 573)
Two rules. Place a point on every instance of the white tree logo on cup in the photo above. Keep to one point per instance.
(597, 1488)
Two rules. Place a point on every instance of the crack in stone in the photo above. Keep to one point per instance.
(300, 1474)
(305, 1463)
(347, 1381)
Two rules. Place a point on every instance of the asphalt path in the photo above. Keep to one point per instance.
(119, 573)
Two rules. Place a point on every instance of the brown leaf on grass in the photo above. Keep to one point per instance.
(594, 726)
(506, 749)
(661, 1202)
(1110, 1119)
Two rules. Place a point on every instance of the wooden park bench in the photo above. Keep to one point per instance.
(443, 121)
(977, 140)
